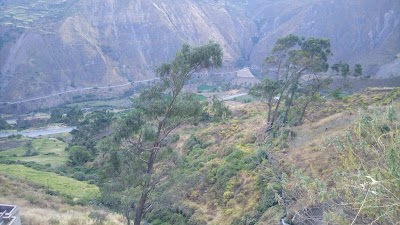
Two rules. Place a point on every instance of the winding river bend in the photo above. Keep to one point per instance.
(39, 132)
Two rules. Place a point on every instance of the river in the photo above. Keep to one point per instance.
(39, 132)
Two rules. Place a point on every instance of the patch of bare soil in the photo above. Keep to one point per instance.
(10, 144)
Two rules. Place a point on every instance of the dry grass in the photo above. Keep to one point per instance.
(307, 151)
(39, 208)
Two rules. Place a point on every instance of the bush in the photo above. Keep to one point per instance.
(98, 217)
(267, 200)
(79, 155)
(33, 199)
(191, 142)
(197, 220)
(228, 195)
(79, 176)
(54, 221)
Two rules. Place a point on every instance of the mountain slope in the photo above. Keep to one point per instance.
(53, 46)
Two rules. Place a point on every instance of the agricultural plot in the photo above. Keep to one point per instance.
(64, 186)
(42, 151)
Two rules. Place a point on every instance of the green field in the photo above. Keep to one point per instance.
(65, 186)
(49, 151)
(245, 98)
(206, 88)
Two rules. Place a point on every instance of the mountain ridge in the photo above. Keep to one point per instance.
(49, 47)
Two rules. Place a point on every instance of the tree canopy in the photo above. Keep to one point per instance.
(300, 66)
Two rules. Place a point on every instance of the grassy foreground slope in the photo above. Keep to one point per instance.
(38, 208)
(65, 186)
(232, 172)
(226, 172)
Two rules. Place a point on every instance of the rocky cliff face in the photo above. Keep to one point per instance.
(365, 32)
(52, 46)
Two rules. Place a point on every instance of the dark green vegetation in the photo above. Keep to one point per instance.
(4, 125)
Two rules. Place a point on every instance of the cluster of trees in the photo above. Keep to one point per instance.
(301, 68)
(82, 148)
(3, 124)
(69, 116)
(132, 155)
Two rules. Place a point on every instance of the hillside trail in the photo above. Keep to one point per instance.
(316, 132)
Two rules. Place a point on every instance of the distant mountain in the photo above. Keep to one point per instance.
(51, 46)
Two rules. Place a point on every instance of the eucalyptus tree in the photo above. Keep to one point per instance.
(299, 65)
(267, 91)
(132, 170)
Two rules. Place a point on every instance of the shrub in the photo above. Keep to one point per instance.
(228, 195)
(98, 217)
(197, 220)
(33, 199)
(191, 142)
(79, 155)
(54, 221)
(267, 200)
(79, 176)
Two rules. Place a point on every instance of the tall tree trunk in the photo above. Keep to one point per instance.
(140, 209)
(289, 105)
(128, 219)
(269, 123)
(275, 113)
(303, 112)
(147, 186)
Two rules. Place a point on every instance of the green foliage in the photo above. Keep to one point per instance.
(357, 70)
(233, 163)
(336, 68)
(344, 69)
(266, 90)
(337, 94)
(206, 88)
(191, 142)
(3, 124)
(79, 176)
(218, 110)
(88, 130)
(293, 57)
(78, 155)
(68, 116)
(30, 151)
(168, 217)
(98, 217)
(267, 200)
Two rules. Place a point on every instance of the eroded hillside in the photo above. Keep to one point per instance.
(49, 47)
